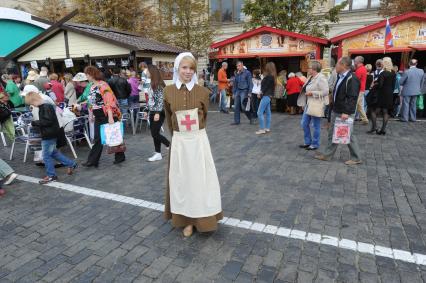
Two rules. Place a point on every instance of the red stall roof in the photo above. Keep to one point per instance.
(400, 18)
(272, 30)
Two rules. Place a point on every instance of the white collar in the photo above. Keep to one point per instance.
(189, 85)
(344, 74)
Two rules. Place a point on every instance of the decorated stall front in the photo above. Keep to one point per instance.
(408, 35)
(288, 50)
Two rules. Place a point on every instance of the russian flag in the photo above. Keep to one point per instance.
(388, 36)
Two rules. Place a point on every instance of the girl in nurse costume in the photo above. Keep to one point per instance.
(193, 193)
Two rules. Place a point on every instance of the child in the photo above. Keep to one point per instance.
(49, 128)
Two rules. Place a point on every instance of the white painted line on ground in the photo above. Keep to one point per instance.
(347, 244)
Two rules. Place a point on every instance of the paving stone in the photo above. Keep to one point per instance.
(231, 270)
(53, 235)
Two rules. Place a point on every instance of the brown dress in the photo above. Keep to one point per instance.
(181, 99)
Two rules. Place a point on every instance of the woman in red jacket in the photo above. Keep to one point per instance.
(293, 87)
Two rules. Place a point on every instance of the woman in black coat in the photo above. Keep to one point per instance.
(384, 87)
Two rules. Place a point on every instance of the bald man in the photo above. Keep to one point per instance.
(411, 82)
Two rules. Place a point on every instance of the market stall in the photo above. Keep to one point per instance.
(409, 40)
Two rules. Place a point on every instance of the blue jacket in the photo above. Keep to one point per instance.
(411, 81)
(243, 82)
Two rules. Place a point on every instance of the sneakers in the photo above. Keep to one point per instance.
(48, 179)
(260, 132)
(10, 179)
(156, 157)
(353, 162)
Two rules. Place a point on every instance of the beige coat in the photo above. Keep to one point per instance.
(319, 88)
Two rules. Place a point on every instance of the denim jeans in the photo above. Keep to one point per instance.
(50, 153)
(365, 102)
(214, 93)
(124, 105)
(240, 101)
(306, 126)
(223, 100)
(264, 106)
(133, 101)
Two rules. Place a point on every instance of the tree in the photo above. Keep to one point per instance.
(127, 15)
(292, 15)
(52, 10)
(119, 14)
(390, 8)
(185, 24)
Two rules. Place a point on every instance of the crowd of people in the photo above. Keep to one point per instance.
(352, 91)
(383, 91)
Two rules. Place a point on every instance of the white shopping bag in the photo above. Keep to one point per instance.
(248, 104)
(112, 134)
(38, 156)
(342, 131)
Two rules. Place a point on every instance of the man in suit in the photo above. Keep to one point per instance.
(345, 96)
(411, 82)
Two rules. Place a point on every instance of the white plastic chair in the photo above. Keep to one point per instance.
(78, 133)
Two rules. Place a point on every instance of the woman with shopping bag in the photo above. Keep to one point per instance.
(103, 109)
(314, 98)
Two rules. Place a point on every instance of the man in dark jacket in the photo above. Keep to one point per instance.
(121, 89)
(49, 129)
(344, 99)
(243, 85)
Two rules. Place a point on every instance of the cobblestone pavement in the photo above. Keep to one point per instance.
(52, 235)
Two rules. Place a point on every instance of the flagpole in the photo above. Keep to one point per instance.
(384, 42)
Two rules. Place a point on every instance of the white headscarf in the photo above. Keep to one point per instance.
(176, 79)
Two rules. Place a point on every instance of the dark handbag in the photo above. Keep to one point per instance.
(116, 149)
(5, 113)
(372, 97)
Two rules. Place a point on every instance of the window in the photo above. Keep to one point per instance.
(226, 11)
(359, 4)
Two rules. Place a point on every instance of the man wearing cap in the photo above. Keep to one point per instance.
(32, 88)
(83, 82)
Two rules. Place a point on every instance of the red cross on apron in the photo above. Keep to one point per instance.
(188, 122)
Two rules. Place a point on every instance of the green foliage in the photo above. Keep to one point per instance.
(119, 14)
(52, 10)
(292, 15)
(390, 8)
(185, 24)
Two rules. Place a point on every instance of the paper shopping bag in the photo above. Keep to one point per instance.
(342, 131)
(112, 134)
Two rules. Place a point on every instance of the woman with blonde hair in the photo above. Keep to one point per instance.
(193, 192)
(384, 86)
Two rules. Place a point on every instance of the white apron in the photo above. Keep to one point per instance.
(194, 185)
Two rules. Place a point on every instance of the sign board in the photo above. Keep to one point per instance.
(34, 65)
(267, 43)
(405, 33)
(69, 63)
(124, 63)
